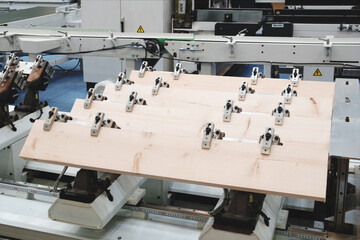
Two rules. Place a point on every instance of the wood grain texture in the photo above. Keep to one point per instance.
(214, 101)
(35, 74)
(163, 139)
(186, 122)
(234, 165)
(231, 84)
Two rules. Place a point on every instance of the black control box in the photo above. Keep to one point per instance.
(278, 29)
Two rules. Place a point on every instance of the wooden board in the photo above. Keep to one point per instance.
(234, 165)
(232, 84)
(163, 139)
(313, 106)
(185, 122)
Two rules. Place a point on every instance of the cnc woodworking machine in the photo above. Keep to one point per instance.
(130, 187)
(161, 147)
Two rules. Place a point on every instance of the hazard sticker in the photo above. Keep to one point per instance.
(317, 73)
(140, 29)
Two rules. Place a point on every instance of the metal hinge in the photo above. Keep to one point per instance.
(243, 90)
(144, 67)
(255, 75)
(177, 71)
(210, 133)
(158, 84)
(295, 77)
(280, 112)
(99, 122)
(53, 116)
(134, 100)
(268, 139)
(229, 108)
(91, 96)
(121, 80)
(288, 93)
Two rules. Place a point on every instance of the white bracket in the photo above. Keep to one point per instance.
(177, 71)
(95, 128)
(39, 62)
(295, 77)
(54, 117)
(255, 75)
(327, 46)
(229, 108)
(280, 112)
(12, 60)
(288, 93)
(121, 80)
(158, 84)
(133, 100)
(143, 68)
(7, 73)
(51, 118)
(209, 134)
(268, 139)
(243, 90)
(91, 96)
(231, 45)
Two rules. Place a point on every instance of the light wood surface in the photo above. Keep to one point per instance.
(163, 139)
(318, 107)
(232, 84)
(234, 165)
(185, 122)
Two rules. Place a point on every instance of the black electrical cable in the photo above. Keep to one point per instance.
(69, 70)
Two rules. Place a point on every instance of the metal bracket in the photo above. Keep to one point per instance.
(63, 118)
(280, 112)
(143, 68)
(243, 90)
(209, 134)
(51, 118)
(91, 96)
(288, 93)
(158, 84)
(39, 62)
(7, 73)
(229, 108)
(231, 45)
(109, 123)
(12, 60)
(268, 139)
(95, 128)
(327, 46)
(54, 117)
(133, 100)
(121, 80)
(295, 77)
(255, 75)
(177, 71)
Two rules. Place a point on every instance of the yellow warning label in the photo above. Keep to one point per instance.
(140, 29)
(317, 73)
